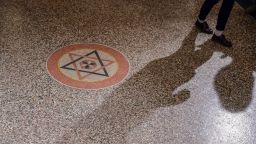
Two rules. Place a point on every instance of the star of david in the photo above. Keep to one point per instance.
(86, 65)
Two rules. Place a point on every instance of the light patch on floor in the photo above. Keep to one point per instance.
(201, 39)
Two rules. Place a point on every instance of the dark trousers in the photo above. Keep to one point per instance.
(224, 12)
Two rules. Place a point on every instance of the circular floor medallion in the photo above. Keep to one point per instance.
(88, 66)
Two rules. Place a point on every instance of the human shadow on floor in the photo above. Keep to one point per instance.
(234, 83)
(132, 102)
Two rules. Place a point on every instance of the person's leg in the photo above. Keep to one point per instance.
(224, 13)
(205, 10)
(223, 16)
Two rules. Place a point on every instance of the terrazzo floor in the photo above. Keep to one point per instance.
(181, 88)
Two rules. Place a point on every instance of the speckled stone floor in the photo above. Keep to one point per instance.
(182, 88)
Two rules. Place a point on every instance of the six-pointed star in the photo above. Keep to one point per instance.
(74, 65)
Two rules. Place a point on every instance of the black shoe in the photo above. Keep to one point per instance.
(222, 40)
(204, 27)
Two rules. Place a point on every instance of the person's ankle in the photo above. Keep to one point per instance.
(200, 21)
(218, 33)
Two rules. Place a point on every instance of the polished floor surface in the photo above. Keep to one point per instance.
(181, 88)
